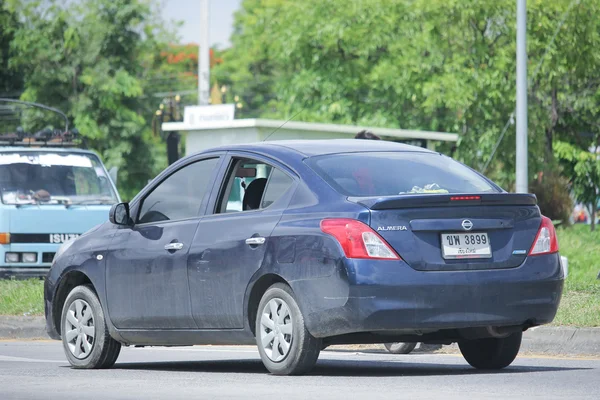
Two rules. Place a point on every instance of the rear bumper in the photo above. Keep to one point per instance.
(391, 298)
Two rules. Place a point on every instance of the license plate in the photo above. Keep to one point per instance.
(466, 245)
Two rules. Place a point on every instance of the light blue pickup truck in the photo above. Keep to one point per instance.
(49, 195)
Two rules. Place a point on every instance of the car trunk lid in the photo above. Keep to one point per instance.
(414, 224)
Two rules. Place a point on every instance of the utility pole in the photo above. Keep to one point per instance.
(203, 56)
(521, 164)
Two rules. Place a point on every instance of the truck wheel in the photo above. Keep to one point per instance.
(284, 344)
(86, 341)
(400, 347)
(491, 353)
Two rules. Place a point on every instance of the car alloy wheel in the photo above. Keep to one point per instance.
(276, 329)
(285, 346)
(84, 333)
(79, 329)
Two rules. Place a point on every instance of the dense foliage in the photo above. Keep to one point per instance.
(553, 196)
(92, 59)
(445, 65)
(583, 168)
(11, 78)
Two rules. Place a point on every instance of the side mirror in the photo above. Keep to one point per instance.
(119, 214)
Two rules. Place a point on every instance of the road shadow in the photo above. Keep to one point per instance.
(218, 366)
(327, 367)
(397, 368)
(421, 349)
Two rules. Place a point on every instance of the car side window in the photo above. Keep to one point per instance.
(245, 184)
(251, 185)
(279, 183)
(180, 195)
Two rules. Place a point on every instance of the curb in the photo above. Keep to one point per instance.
(547, 340)
(22, 327)
(562, 340)
(554, 340)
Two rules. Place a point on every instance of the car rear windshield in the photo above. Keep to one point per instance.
(393, 173)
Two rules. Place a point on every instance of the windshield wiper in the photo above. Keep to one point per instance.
(19, 205)
(90, 201)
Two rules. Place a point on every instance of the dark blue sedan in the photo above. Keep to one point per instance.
(298, 245)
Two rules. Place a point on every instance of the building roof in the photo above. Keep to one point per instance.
(351, 130)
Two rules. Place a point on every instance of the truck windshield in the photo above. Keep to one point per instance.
(47, 178)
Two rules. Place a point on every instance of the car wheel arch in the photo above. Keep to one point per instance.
(68, 282)
(256, 293)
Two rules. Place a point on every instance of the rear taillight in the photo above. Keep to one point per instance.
(357, 239)
(545, 241)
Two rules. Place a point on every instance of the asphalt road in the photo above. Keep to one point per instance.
(38, 370)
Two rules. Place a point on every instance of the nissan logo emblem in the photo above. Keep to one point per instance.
(467, 225)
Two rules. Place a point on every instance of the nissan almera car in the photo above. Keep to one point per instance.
(298, 245)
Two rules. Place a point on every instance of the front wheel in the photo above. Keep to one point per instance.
(284, 344)
(85, 337)
(491, 353)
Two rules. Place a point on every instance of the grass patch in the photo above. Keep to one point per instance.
(579, 309)
(25, 297)
(582, 248)
(580, 305)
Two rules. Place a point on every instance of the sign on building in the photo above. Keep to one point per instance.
(193, 115)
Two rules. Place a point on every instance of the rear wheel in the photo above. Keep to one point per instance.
(400, 347)
(284, 344)
(85, 337)
(491, 353)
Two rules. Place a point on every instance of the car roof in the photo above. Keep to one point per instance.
(310, 148)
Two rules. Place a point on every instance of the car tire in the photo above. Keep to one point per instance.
(86, 341)
(400, 347)
(491, 353)
(285, 345)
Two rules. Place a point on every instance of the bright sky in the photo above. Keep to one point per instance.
(188, 11)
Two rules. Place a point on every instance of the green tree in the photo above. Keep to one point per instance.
(248, 66)
(584, 168)
(177, 71)
(11, 78)
(446, 65)
(92, 59)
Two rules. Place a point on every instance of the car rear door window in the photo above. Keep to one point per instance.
(393, 173)
(279, 183)
(180, 195)
(251, 185)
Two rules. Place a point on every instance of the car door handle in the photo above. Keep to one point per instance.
(174, 246)
(255, 241)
